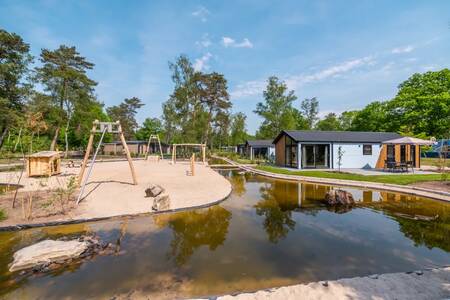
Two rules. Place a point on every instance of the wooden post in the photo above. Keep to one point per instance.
(160, 148)
(193, 164)
(127, 152)
(174, 150)
(204, 154)
(86, 155)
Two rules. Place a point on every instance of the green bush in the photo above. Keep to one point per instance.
(2, 215)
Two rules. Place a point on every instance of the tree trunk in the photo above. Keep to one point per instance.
(66, 138)
(2, 136)
(55, 139)
(31, 142)
(18, 139)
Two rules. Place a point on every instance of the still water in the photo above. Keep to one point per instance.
(267, 233)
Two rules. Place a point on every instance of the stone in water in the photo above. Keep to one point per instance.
(46, 252)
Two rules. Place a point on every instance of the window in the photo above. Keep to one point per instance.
(367, 149)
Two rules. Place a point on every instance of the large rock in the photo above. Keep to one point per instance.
(161, 202)
(153, 190)
(339, 197)
(46, 252)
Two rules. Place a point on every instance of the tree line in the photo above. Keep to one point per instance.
(49, 102)
(420, 108)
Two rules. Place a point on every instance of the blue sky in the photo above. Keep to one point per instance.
(345, 53)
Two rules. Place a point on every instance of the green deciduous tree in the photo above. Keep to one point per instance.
(14, 61)
(329, 122)
(238, 129)
(310, 110)
(276, 110)
(150, 126)
(125, 113)
(422, 105)
(371, 118)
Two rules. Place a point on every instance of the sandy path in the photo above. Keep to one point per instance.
(432, 284)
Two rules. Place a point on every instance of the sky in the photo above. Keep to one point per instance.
(345, 53)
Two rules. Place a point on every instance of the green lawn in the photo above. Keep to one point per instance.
(394, 179)
(433, 162)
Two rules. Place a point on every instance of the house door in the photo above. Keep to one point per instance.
(316, 156)
(403, 153)
(412, 154)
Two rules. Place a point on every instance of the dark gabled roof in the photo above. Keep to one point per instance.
(259, 143)
(338, 136)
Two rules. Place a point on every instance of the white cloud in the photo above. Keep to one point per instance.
(405, 49)
(251, 88)
(201, 63)
(229, 42)
(202, 13)
(205, 42)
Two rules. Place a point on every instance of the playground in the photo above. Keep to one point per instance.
(110, 190)
(81, 191)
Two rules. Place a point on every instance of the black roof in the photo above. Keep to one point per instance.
(260, 143)
(338, 136)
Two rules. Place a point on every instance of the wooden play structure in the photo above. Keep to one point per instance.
(102, 127)
(201, 146)
(192, 165)
(156, 138)
(44, 163)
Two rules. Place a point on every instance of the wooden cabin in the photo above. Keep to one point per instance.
(44, 163)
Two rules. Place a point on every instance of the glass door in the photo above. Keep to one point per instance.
(316, 156)
(412, 154)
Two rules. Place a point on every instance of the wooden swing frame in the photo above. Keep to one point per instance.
(154, 137)
(103, 127)
(201, 146)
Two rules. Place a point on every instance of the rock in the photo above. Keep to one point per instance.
(339, 197)
(46, 252)
(153, 191)
(161, 202)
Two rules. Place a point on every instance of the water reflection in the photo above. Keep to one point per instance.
(276, 206)
(268, 233)
(192, 229)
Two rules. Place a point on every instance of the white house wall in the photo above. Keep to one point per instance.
(353, 155)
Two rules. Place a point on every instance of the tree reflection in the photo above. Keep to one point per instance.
(426, 222)
(192, 229)
(238, 182)
(279, 199)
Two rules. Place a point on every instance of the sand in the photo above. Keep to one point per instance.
(431, 284)
(110, 191)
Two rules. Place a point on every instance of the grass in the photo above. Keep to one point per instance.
(403, 179)
(433, 162)
(2, 215)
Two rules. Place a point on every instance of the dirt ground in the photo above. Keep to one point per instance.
(35, 207)
(434, 185)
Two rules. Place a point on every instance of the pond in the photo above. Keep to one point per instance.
(268, 233)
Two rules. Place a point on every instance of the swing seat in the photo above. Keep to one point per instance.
(153, 158)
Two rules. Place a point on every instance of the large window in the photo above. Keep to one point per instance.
(367, 149)
(291, 152)
(390, 153)
(316, 156)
